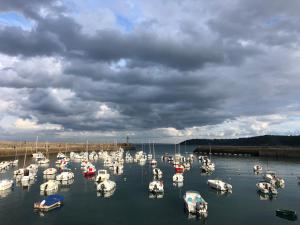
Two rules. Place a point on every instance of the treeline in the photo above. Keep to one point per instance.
(266, 140)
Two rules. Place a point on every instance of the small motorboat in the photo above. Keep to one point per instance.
(208, 167)
(178, 178)
(49, 203)
(179, 168)
(156, 187)
(157, 172)
(102, 176)
(195, 204)
(89, 170)
(272, 178)
(220, 185)
(50, 171)
(106, 186)
(6, 184)
(65, 176)
(153, 162)
(287, 214)
(266, 188)
(49, 187)
(257, 168)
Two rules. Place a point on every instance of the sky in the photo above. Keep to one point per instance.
(160, 70)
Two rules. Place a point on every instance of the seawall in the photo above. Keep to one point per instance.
(8, 149)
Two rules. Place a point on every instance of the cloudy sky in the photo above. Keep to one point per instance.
(160, 69)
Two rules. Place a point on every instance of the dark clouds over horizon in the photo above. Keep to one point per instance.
(149, 68)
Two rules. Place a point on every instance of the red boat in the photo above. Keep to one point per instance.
(179, 168)
(89, 171)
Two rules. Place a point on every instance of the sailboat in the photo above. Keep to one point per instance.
(45, 160)
(153, 161)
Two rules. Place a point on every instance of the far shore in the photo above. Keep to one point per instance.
(265, 151)
(13, 148)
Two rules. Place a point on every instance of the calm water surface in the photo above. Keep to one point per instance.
(130, 203)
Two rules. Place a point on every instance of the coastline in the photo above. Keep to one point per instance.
(262, 151)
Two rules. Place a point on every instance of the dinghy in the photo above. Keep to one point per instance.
(49, 203)
(49, 187)
(219, 185)
(195, 204)
(65, 176)
(287, 214)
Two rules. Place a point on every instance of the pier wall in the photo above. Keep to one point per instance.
(8, 149)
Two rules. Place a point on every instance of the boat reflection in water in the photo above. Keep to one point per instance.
(178, 184)
(5, 193)
(65, 185)
(156, 195)
(266, 196)
(105, 194)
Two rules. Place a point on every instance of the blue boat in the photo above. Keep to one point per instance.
(49, 203)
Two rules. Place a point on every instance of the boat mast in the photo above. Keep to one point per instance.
(36, 141)
(149, 147)
(25, 155)
(153, 151)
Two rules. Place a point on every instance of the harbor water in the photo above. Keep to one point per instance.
(131, 203)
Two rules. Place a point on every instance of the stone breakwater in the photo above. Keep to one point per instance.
(8, 149)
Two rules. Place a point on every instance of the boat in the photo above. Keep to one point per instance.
(257, 168)
(65, 176)
(208, 167)
(178, 177)
(179, 168)
(102, 176)
(157, 172)
(6, 184)
(195, 204)
(49, 203)
(50, 171)
(27, 178)
(89, 170)
(287, 214)
(156, 187)
(49, 186)
(272, 178)
(106, 186)
(266, 188)
(220, 185)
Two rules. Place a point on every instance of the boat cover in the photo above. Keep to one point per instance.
(52, 199)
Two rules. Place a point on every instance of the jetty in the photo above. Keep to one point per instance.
(10, 148)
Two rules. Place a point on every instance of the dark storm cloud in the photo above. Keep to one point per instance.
(192, 73)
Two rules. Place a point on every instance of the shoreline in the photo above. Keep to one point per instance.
(262, 151)
(13, 148)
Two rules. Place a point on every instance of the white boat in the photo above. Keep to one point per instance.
(50, 171)
(106, 186)
(153, 162)
(266, 188)
(6, 184)
(102, 176)
(65, 176)
(60, 155)
(157, 172)
(19, 173)
(49, 186)
(178, 177)
(33, 168)
(257, 168)
(27, 178)
(43, 161)
(208, 167)
(220, 185)
(273, 179)
(156, 187)
(195, 204)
